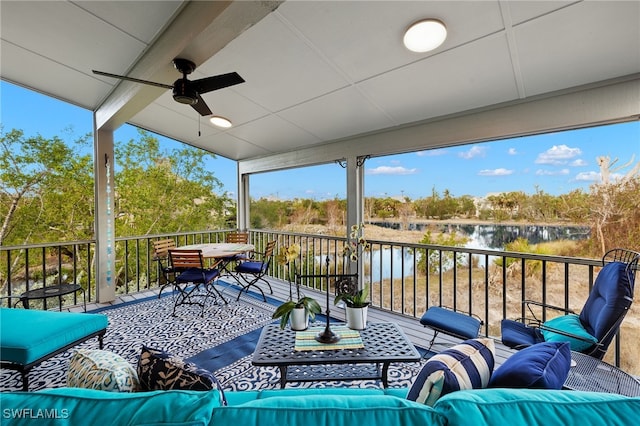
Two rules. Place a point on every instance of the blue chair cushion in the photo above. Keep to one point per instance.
(611, 293)
(570, 324)
(26, 335)
(516, 334)
(194, 275)
(465, 366)
(251, 267)
(451, 322)
(544, 365)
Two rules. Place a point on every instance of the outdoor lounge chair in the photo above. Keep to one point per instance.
(593, 329)
(253, 271)
(191, 277)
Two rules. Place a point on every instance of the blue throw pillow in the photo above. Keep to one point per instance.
(543, 365)
(465, 366)
(569, 324)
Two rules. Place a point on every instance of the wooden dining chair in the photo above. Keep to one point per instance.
(249, 273)
(161, 255)
(191, 276)
(228, 264)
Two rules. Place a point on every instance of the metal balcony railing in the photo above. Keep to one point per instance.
(404, 279)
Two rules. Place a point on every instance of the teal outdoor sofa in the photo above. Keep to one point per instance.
(28, 337)
(329, 406)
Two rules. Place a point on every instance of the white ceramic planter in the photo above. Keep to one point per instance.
(357, 318)
(299, 319)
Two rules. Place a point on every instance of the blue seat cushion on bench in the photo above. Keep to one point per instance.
(27, 335)
(451, 322)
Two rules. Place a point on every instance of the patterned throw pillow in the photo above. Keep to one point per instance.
(159, 370)
(101, 370)
(465, 366)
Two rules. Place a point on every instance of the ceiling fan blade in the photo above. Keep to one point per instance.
(135, 80)
(216, 82)
(201, 107)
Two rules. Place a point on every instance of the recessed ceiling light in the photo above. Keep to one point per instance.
(220, 122)
(425, 35)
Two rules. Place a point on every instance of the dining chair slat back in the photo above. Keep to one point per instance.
(161, 255)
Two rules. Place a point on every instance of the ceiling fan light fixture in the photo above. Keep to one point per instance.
(425, 35)
(222, 122)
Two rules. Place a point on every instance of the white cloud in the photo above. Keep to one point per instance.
(541, 172)
(558, 154)
(597, 177)
(431, 153)
(495, 172)
(578, 163)
(386, 170)
(512, 151)
(474, 151)
(588, 176)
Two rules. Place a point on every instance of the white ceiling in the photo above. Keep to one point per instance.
(315, 71)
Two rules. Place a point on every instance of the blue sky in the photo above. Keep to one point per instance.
(555, 163)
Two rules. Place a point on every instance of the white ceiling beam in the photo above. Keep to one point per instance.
(199, 31)
(618, 101)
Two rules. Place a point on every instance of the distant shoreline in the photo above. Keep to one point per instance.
(459, 221)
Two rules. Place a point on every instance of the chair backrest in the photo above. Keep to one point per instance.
(161, 248)
(268, 251)
(610, 298)
(268, 254)
(184, 259)
(237, 237)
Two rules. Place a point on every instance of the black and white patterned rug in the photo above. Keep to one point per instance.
(188, 334)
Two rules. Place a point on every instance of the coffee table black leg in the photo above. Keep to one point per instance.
(283, 376)
(385, 371)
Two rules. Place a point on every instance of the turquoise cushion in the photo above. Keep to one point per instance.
(27, 335)
(543, 365)
(81, 407)
(465, 366)
(334, 410)
(270, 393)
(535, 407)
(240, 397)
(569, 324)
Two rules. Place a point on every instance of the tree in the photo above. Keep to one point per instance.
(158, 191)
(46, 189)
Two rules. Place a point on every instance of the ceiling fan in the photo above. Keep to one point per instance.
(187, 91)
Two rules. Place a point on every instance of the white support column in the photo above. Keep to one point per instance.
(355, 201)
(243, 202)
(104, 219)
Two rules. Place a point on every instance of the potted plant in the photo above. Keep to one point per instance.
(357, 305)
(356, 300)
(296, 312)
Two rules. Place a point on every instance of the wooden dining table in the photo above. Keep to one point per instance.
(219, 251)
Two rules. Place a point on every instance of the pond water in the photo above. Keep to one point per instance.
(491, 236)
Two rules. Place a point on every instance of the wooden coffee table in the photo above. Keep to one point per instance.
(384, 343)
